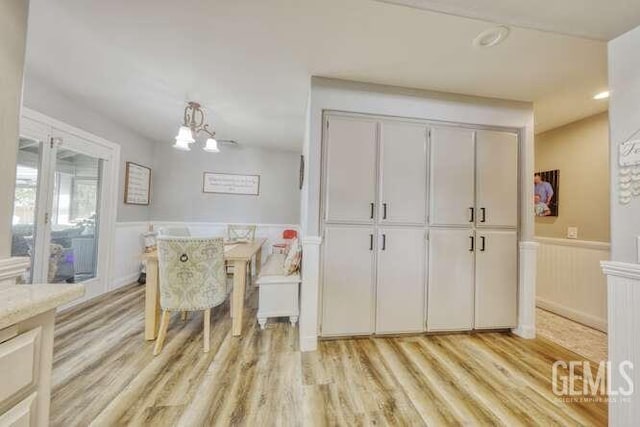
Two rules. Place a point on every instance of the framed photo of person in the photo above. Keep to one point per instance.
(546, 194)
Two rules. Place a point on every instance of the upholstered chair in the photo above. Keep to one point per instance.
(192, 278)
(174, 231)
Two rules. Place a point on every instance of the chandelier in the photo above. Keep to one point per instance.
(193, 123)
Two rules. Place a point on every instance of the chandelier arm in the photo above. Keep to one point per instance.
(206, 130)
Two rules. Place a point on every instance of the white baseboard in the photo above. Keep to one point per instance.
(575, 315)
(309, 343)
(124, 280)
(527, 332)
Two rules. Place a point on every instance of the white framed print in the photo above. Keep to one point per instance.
(229, 183)
(137, 184)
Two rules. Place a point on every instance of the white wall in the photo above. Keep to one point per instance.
(13, 32)
(624, 120)
(177, 185)
(44, 99)
(623, 273)
(327, 94)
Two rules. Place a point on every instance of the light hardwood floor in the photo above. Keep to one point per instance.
(104, 373)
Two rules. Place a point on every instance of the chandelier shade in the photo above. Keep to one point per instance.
(211, 146)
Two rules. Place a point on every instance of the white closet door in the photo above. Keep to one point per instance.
(351, 169)
(452, 176)
(401, 280)
(497, 179)
(403, 189)
(347, 298)
(496, 279)
(451, 288)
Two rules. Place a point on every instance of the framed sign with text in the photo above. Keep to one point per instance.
(227, 183)
(137, 184)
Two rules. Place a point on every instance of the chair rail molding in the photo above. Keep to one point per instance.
(527, 290)
(309, 293)
(623, 298)
(10, 268)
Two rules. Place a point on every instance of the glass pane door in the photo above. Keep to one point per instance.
(74, 216)
(25, 204)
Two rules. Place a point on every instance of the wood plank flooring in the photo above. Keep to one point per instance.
(104, 374)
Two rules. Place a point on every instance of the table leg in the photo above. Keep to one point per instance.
(151, 301)
(239, 282)
(258, 261)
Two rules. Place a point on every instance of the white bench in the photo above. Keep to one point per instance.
(278, 293)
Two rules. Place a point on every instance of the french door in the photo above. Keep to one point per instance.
(64, 205)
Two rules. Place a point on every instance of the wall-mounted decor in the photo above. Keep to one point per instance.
(546, 192)
(137, 184)
(629, 172)
(301, 177)
(227, 183)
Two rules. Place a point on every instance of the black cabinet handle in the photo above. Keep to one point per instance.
(472, 243)
(384, 242)
(472, 217)
(482, 242)
(384, 211)
(370, 242)
(371, 210)
(483, 218)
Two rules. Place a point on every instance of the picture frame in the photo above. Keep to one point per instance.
(547, 179)
(230, 183)
(137, 184)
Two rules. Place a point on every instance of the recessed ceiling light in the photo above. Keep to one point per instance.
(602, 95)
(491, 37)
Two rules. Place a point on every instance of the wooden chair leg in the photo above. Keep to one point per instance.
(162, 332)
(183, 316)
(207, 329)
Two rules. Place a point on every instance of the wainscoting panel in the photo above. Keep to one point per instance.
(570, 282)
(127, 248)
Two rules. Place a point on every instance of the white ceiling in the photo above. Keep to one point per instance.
(249, 62)
(595, 19)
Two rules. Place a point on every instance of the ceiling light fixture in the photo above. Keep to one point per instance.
(491, 37)
(193, 123)
(601, 95)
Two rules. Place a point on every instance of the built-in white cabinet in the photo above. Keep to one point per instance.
(420, 227)
(350, 178)
(451, 281)
(452, 176)
(473, 277)
(400, 280)
(496, 279)
(496, 179)
(403, 172)
(474, 177)
(347, 299)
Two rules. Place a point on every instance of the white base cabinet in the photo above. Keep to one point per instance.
(496, 279)
(400, 280)
(347, 300)
(451, 287)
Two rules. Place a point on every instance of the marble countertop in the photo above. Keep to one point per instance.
(21, 302)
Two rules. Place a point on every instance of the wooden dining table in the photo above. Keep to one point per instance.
(238, 254)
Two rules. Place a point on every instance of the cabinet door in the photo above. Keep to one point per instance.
(403, 173)
(452, 176)
(496, 279)
(401, 281)
(451, 288)
(347, 299)
(497, 179)
(351, 169)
